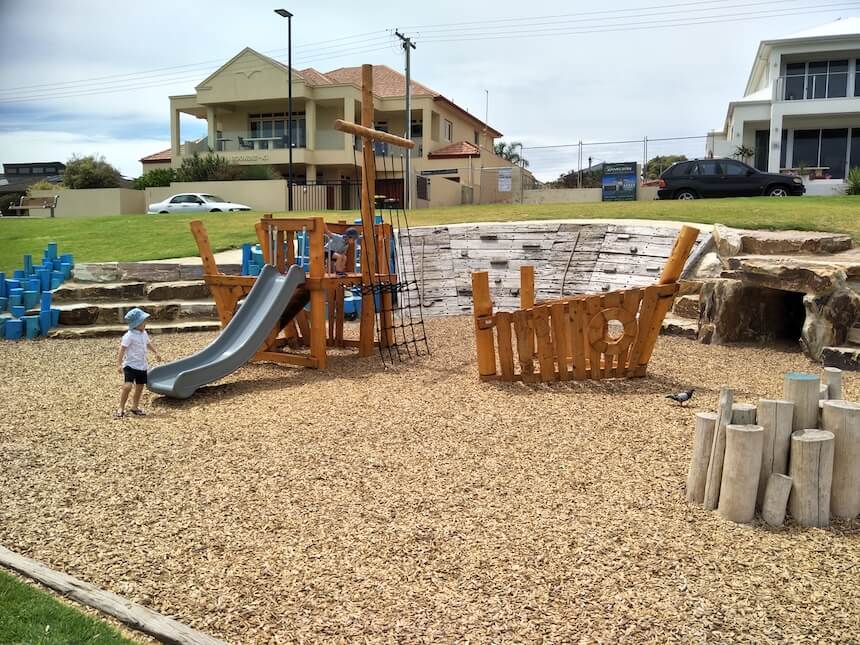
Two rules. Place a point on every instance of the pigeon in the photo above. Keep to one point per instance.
(682, 397)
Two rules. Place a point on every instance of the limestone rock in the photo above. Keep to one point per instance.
(179, 290)
(79, 315)
(845, 358)
(828, 320)
(684, 327)
(727, 240)
(96, 272)
(689, 287)
(687, 307)
(792, 242)
(785, 274)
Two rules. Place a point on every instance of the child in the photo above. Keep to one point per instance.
(337, 247)
(131, 361)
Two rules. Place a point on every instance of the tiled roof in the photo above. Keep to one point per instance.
(314, 77)
(387, 83)
(164, 155)
(458, 149)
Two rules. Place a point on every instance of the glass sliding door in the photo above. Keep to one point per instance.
(762, 141)
(834, 150)
(854, 153)
(837, 79)
(806, 143)
(795, 80)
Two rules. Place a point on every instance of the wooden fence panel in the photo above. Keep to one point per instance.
(522, 326)
(506, 348)
(560, 327)
(545, 349)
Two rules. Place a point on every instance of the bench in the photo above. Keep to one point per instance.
(28, 203)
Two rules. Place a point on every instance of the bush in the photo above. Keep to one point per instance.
(154, 178)
(853, 187)
(10, 199)
(90, 172)
(259, 172)
(210, 167)
(43, 184)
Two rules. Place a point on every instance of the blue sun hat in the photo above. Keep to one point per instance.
(135, 316)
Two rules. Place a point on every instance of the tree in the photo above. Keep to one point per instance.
(591, 178)
(90, 172)
(155, 177)
(509, 152)
(744, 153)
(209, 167)
(658, 164)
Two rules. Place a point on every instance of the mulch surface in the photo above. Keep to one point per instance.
(410, 504)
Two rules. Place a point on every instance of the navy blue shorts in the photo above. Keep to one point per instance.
(138, 377)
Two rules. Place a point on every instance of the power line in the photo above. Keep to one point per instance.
(605, 143)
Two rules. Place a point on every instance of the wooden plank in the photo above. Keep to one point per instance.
(630, 300)
(289, 359)
(525, 354)
(317, 314)
(662, 307)
(592, 308)
(527, 294)
(545, 350)
(280, 252)
(504, 320)
(611, 300)
(368, 182)
(559, 318)
(339, 316)
(680, 252)
(130, 613)
(482, 308)
(291, 248)
(370, 133)
(576, 313)
(646, 313)
(204, 248)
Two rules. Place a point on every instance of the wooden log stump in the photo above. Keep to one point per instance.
(811, 472)
(743, 414)
(776, 494)
(775, 419)
(832, 378)
(715, 465)
(741, 468)
(842, 418)
(803, 390)
(703, 443)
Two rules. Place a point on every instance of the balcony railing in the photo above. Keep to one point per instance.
(808, 87)
(245, 141)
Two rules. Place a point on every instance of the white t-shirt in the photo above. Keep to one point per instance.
(135, 343)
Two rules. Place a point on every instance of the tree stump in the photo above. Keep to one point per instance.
(715, 465)
(842, 418)
(740, 472)
(775, 499)
(832, 378)
(703, 443)
(743, 414)
(803, 390)
(775, 419)
(811, 472)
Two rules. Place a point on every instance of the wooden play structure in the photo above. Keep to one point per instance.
(315, 317)
(609, 335)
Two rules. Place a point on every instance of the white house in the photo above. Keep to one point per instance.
(801, 107)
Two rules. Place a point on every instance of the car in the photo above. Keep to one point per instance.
(702, 178)
(195, 203)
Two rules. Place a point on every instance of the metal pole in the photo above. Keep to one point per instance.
(290, 111)
(645, 158)
(579, 166)
(407, 180)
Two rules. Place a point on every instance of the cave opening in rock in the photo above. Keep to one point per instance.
(780, 314)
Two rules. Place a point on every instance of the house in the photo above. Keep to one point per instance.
(244, 104)
(17, 176)
(801, 108)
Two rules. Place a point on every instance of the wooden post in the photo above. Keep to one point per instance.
(775, 418)
(843, 420)
(740, 473)
(198, 230)
(811, 472)
(803, 390)
(715, 465)
(482, 309)
(527, 287)
(703, 442)
(369, 265)
(504, 321)
(743, 414)
(559, 339)
(678, 257)
(773, 506)
(317, 271)
(832, 378)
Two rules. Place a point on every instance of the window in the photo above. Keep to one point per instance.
(734, 169)
(477, 138)
(10, 171)
(272, 127)
(449, 130)
(805, 148)
(795, 74)
(710, 168)
(834, 149)
(185, 199)
(857, 78)
(38, 170)
(837, 79)
(417, 128)
(212, 198)
(816, 80)
(854, 158)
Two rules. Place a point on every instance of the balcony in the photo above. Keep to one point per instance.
(815, 87)
(245, 141)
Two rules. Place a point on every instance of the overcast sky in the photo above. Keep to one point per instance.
(557, 72)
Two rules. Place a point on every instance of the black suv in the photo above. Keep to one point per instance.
(724, 178)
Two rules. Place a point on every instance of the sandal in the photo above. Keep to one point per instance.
(119, 414)
(137, 412)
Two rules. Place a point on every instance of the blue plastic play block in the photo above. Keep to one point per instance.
(18, 274)
(34, 284)
(47, 297)
(66, 268)
(351, 304)
(55, 316)
(44, 276)
(68, 257)
(28, 264)
(51, 250)
(3, 319)
(16, 300)
(14, 329)
(56, 281)
(56, 263)
(45, 322)
(246, 259)
(4, 302)
(31, 299)
(12, 283)
(17, 310)
(31, 326)
(2, 284)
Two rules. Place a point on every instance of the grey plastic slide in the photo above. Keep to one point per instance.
(239, 340)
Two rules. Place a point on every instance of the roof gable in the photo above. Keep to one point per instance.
(247, 63)
(460, 149)
(387, 83)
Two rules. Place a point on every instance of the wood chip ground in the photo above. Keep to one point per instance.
(412, 504)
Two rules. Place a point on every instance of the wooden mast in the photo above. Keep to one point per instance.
(368, 183)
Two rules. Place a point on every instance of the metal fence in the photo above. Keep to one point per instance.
(344, 194)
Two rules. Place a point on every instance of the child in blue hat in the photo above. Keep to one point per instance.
(131, 361)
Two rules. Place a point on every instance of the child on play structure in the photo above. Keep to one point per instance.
(336, 247)
(131, 361)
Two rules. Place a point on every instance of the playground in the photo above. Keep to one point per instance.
(410, 503)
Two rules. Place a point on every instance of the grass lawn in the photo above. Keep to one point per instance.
(28, 615)
(151, 237)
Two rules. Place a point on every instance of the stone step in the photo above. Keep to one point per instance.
(178, 290)
(108, 313)
(677, 326)
(686, 307)
(854, 336)
(108, 272)
(108, 291)
(845, 358)
(94, 331)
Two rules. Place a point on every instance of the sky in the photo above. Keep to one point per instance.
(94, 76)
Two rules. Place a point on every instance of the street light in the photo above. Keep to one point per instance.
(283, 13)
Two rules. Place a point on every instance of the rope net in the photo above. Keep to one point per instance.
(394, 284)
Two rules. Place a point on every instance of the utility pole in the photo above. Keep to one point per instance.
(487, 107)
(408, 46)
(283, 13)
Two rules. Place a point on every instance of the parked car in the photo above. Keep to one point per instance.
(195, 203)
(724, 178)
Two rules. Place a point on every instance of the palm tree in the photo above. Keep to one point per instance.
(509, 151)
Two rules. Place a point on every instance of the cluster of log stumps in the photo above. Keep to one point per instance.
(800, 454)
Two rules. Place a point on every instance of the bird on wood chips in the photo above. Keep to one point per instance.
(682, 397)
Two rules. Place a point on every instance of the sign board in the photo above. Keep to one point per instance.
(506, 176)
(444, 171)
(619, 181)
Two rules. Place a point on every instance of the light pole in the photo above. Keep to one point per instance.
(283, 13)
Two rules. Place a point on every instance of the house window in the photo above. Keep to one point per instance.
(816, 80)
(271, 127)
(854, 153)
(826, 149)
(11, 171)
(857, 77)
(477, 138)
(417, 129)
(38, 170)
(449, 130)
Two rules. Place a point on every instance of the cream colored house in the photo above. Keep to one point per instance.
(244, 104)
(801, 108)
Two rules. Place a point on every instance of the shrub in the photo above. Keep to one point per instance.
(8, 200)
(259, 172)
(43, 184)
(853, 179)
(210, 167)
(90, 172)
(155, 177)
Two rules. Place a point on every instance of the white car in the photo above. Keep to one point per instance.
(195, 203)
